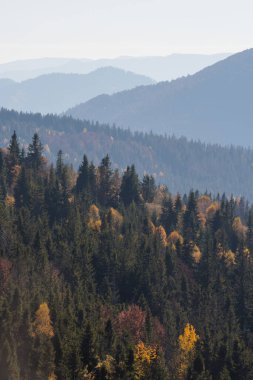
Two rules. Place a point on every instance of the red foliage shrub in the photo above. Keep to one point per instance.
(131, 321)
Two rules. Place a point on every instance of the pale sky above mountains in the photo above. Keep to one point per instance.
(109, 28)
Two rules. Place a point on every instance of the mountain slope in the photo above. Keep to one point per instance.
(214, 105)
(54, 93)
(178, 163)
(160, 68)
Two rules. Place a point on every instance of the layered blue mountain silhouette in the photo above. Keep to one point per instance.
(213, 105)
(56, 92)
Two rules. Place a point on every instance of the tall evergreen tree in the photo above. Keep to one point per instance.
(105, 181)
(82, 183)
(14, 150)
(168, 216)
(35, 150)
(130, 188)
(22, 191)
(148, 188)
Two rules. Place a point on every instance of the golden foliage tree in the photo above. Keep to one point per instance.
(246, 251)
(175, 237)
(239, 228)
(108, 365)
(42, 325)
(115, 219)
(143, 358)
(211, 210)
(161, 233)
(227, 256)
(94, 221)
(187, 342)
(196, 254)
(10, 201)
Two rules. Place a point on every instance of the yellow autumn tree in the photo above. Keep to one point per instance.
(115, 219)
(94, 221)
(196, 254)
(227, 256)
(246, 252)
(42, 325)
(211, 210)
(187, 342)
(10, 201)
(108, 365)
(175, 237)
(239, 228)
(143, 358)
(161, 233)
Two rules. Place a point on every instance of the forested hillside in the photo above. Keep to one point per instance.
(213, 105)
(178, 163)
(107, 276)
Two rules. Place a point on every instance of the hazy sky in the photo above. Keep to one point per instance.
(109, 28)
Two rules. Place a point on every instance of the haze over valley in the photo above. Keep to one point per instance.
(160, 68)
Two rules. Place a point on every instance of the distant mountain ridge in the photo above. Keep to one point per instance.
(159, 68)
(214, 105)
(180, 164)
(54, 93)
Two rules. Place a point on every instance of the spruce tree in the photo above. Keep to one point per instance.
(14, 150)
(82, 182)
(35, 150)
(130, 188)
(148, 188)
(105, 181)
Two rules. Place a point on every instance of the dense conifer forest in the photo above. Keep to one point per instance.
(178, 163)
(109, 276)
